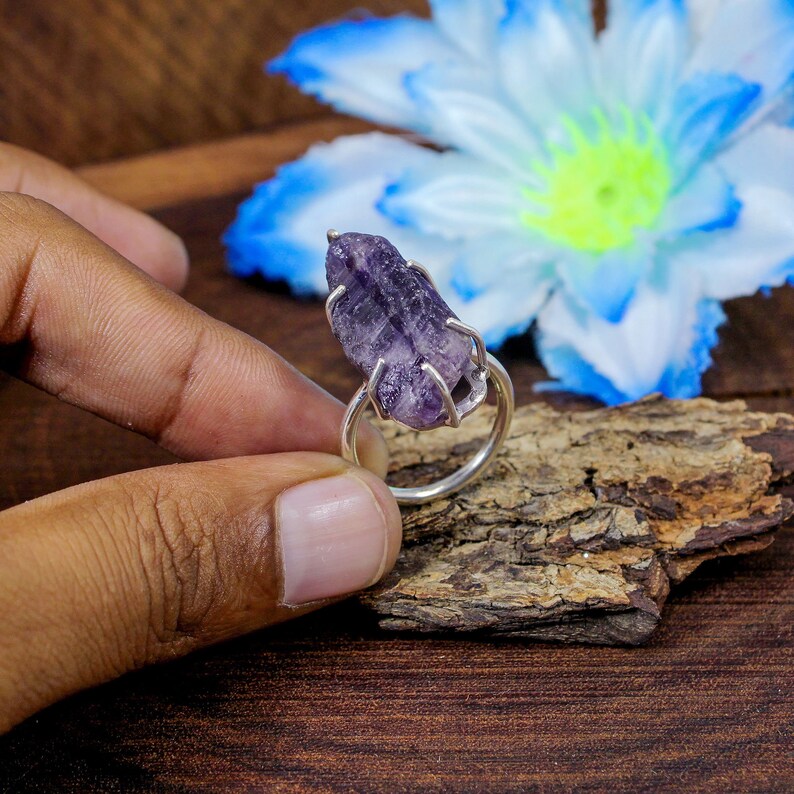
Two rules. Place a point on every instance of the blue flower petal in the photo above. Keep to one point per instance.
(358, 66)
(682, 378)
(751, 38)
(258, 241)
(644, 50)
(605, 283)
(280, 230)
(707, 109)
(579, 10)
(628, 12)
(659, 345)
(500, 314)
(576, 375)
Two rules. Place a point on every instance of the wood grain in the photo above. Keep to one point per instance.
(332, 703)
(162, 179)
(89, 80)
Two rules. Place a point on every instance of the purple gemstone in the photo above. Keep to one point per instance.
(390, 311)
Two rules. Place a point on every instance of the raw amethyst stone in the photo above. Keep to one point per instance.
(390, 311)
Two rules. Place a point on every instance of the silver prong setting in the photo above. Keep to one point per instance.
(423, 271)
(453, 417)
(482, 354)
(470, 470)
(331, 302)
(332, 234)
(372, 389)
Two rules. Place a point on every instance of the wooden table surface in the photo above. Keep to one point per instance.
(330, 702)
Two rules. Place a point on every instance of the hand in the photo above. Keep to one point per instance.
(111, 575)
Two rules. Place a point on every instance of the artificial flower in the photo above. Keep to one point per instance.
(612, 189)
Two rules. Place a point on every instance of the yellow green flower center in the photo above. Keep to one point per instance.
(599, 190)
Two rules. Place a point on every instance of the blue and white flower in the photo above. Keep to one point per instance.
(613, 189)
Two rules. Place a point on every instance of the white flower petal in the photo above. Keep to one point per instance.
(466, 111)
(546, 56)
(495, 261)
(606, 284)
(662, 344)
(757, 252)
(470, 24)
(751, 38)
(358, 66)
(702, 13)
(280, 230)
(764, 156)
(643, 52)
(706, 202)
(455, 196)
(505, 312)
(499, 283)
(497, 81)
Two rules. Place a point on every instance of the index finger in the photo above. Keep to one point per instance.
(135, 235)
(104, 336)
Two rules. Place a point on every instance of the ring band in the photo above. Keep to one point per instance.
(469, 472)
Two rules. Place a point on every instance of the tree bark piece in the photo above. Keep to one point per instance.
(585, 519)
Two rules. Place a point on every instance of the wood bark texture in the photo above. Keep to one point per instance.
(585, 519)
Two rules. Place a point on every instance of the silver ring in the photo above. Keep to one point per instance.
(349, 254)
(462, 476)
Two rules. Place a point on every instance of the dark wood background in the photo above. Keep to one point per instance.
(329, 702)
(89, 80)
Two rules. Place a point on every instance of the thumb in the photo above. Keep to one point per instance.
(108, 576)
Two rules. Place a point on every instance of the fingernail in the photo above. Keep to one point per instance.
(333, 537)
